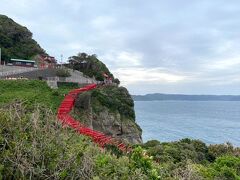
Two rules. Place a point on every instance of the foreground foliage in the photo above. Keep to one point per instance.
(33, 145)
(193, 159)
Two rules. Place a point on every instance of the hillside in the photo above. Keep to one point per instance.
(31, 92)
(109, 109)
(183, 97)
(16, 40)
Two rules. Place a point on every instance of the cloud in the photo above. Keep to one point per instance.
(123, 59)
(225, 64)
(173, 46)
(102, 22)
(147, 76)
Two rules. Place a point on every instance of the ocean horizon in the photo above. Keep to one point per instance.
(213, 122)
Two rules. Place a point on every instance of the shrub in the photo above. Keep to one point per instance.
(34, 146)
(55, 93)
(218, 150)
(71, 85)
(140, 160)
(151, 143)
(225, 167)
(117, 81)
(116, 99)
(63, 73)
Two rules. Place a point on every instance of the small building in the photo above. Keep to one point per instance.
(21, 62)
(45, 61)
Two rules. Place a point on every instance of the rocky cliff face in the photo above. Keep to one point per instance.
(110, 110)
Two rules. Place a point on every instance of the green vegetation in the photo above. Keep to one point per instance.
(34, 146)
(225, 167)
(193, 159)
(117, 81)
(63, 73)
(16, 41)
(90, 65)
(67, 85)
(31, 92)
(115, 99)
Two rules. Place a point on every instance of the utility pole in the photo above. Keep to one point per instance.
(1, 56)
(61, 60)
(1, 59)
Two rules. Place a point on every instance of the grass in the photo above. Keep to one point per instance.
(31, 92)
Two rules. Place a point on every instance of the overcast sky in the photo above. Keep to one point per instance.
(165, 46)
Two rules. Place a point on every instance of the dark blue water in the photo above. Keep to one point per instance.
(213, 122)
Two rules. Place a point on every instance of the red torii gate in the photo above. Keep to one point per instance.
(63, 115)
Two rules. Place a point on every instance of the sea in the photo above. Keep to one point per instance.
(213, 122)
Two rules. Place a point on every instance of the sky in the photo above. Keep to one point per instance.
(155, 46)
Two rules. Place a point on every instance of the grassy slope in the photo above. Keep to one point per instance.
(31, 91)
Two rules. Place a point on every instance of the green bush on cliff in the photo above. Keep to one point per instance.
(90, 65)
(116, 99)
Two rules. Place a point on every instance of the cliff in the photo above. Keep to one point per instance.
(109, 109)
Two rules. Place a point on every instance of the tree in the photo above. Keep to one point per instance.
(117, 81)
(16, 41)
(90, 65)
